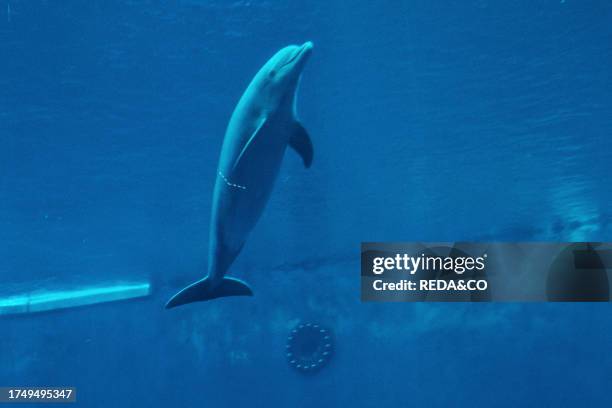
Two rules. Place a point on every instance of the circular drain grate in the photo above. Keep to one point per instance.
(309, 347)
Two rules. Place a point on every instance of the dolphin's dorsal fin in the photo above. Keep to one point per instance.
(301, 143)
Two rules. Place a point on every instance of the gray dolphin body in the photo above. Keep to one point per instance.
(263, 124)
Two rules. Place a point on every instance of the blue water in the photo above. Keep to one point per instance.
(455, 120)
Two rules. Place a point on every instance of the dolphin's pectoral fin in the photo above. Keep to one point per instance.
(301, 143)
(251, 141)
(204, 290)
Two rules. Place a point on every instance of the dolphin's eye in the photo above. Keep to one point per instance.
(272, 73)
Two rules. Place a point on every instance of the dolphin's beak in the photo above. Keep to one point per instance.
(307, 46)
(301, 55)
(306, 49)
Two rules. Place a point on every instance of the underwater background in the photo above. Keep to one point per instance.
(431, 121)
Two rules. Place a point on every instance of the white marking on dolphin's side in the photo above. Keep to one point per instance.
(231, 184)
(262, 125)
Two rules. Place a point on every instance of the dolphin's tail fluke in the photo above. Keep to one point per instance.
(205, 290)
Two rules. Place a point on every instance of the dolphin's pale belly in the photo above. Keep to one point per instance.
(242, 191)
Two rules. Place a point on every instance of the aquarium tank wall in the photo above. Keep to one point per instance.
(135, 161)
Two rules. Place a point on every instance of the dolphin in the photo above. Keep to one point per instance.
(261, 127)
